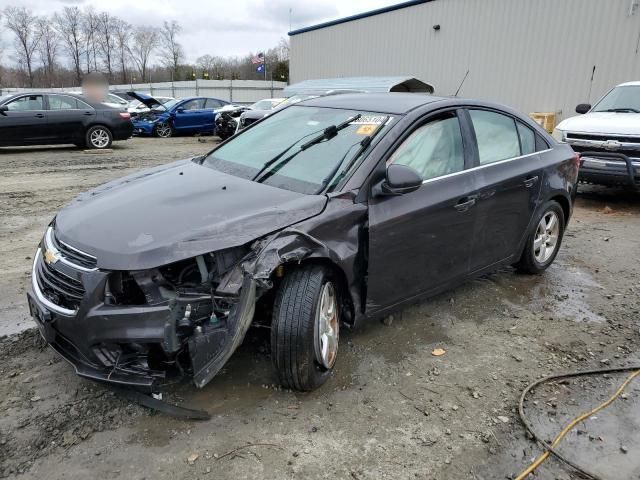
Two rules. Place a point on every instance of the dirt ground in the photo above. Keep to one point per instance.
(391, 409)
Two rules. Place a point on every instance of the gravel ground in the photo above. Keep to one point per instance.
(391, 410)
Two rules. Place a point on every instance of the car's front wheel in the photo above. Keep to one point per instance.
(305, 328)
(163, 130)
(98, 137)
(544, 241)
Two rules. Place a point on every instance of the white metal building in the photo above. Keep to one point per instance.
(535, 55)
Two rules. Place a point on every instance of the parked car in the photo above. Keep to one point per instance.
(112, 100)
(228, 120)
(254, 114)
(608, 137)
(57, 118)
(136, 107)
(188, 115)
(328, 212)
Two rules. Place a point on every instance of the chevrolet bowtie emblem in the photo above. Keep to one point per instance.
(612, 145)
(50, 257)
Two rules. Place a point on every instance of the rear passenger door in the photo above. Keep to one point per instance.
(508, 176)
(67, 116)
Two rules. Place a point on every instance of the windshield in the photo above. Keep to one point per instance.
(166, 106)
(250, 153)
(263, 105)
(622, 99)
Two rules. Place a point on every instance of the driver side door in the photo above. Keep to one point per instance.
(24, 122)
(420, 242)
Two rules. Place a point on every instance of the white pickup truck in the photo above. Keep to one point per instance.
(607, 136)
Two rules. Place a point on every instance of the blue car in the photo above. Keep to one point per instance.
(185, 116)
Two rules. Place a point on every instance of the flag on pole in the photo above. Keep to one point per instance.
(258, 58)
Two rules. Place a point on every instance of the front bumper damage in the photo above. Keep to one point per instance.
(136, 346)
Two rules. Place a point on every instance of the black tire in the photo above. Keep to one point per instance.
(530, 262)
(98, 137)
(163, 130)
(295, 328)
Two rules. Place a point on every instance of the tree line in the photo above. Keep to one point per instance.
(57, 51)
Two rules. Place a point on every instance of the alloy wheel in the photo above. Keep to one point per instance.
(545, 241)
(99, 138)
(328, 326)
(163, 130)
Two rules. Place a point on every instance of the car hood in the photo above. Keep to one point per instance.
(607, 123)
(174, 212)
(147, 100)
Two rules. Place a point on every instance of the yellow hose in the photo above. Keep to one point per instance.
(538, 461)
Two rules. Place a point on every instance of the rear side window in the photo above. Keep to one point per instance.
(434, 149)
(197, 104)
(497, 136)
(63, 102)
(213, 103)
(527, 139)
(25, 104)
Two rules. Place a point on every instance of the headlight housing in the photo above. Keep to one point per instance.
(559, 135)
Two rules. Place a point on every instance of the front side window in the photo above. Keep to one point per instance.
(497, 136)
(271, 152)
(434, 149)
(197, 104)
(25, 104)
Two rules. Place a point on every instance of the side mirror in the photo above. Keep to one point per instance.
(180, 110)
(400, 179)
(3, 109)
(583, 108)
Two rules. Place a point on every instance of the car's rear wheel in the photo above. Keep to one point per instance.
(544, 241)
(98, 137)
(305, 329)
(163, 130)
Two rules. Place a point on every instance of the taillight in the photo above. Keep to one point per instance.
(126, 115)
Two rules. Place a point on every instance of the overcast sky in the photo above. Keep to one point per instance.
(216, 27)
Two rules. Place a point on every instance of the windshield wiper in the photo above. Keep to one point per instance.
(328, 133)
(364, 143)
(623, 110)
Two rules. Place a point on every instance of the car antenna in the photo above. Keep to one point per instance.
(461, 83)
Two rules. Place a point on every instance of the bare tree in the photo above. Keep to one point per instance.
(145, 41)
(90, 32)
(122, 34)
(49, 43)
(107, 39)
(23, 23)
(211, 64)
(172, 52)
(69, 26)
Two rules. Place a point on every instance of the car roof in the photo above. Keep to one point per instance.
(630, 84)
(396, 103)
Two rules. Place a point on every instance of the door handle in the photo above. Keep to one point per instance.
(531, 181)
(87, 114)
(39, 115)
(465, 203)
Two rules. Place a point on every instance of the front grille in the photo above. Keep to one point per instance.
(58, 287)
(602, 138)
(72, 254)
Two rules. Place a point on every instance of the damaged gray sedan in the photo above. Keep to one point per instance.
(323, 214)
